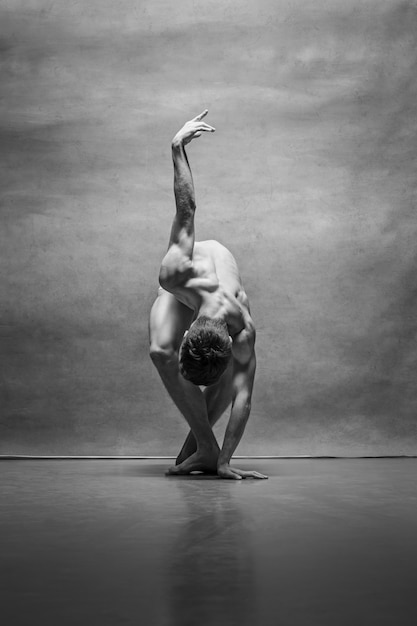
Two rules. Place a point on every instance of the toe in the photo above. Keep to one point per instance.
(171, 471)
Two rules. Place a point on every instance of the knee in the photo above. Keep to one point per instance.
(162, 356)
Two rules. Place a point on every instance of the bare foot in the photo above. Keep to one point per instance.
(198, 462)
(188, 449)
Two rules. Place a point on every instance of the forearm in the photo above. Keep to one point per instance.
(235, 429)
(183, 182)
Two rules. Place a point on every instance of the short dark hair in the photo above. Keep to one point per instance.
(205, 351)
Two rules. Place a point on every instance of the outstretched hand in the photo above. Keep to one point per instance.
(192, 129)
(225, 471)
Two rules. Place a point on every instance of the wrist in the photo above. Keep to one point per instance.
(177, 144)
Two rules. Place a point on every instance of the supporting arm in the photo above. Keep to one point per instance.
(243, 378)
(241, 405)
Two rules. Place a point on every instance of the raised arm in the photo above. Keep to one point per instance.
(181, 242)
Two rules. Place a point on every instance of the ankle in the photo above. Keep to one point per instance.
(208, 448)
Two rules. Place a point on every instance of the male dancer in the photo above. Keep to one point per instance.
(201, 331)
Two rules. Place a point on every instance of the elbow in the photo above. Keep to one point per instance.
(166, 280)
(163, 278)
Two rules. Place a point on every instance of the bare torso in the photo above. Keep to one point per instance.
(211, 284)
(201, 279)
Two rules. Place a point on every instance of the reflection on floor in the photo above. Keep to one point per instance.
(322, 542)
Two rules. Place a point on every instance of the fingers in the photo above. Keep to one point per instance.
(207, 127)
(249, 474)
(255, 475)
(235, 476)
(200, 117)
(204, 127)
(229, 474)
(258, 475)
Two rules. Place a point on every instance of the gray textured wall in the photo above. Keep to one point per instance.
(310, 179)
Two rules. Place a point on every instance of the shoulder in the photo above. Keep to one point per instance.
(176, 268)
(244, 360)
(212, 246)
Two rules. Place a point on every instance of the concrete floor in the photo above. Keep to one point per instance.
(322, 542)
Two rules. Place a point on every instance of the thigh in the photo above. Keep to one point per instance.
(169, 319)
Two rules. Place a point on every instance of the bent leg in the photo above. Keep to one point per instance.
(168, 321)
(217, 398)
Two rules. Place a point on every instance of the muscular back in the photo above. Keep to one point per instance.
(210, 278)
